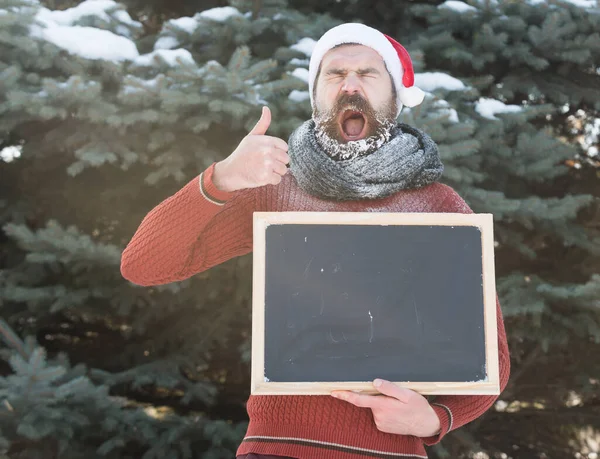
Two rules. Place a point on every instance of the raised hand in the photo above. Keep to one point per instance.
(258, 160)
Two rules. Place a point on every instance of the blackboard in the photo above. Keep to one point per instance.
(343, 298)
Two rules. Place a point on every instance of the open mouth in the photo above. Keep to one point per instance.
(353, 125)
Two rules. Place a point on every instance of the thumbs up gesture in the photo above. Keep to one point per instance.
(258, 160)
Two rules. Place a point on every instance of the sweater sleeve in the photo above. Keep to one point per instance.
(455, 411)
(189, 232)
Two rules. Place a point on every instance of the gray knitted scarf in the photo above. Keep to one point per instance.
(410, 159)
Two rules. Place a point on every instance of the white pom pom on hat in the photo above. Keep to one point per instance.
(395, 56)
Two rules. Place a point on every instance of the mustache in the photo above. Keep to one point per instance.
(355, 100)
(378, 121)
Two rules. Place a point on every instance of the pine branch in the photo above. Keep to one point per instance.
(12, 339)
(530, 360)
(508, 393)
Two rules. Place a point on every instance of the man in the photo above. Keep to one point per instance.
(351, 156)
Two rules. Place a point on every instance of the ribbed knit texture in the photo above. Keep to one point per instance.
(199, 227)
(410, 159)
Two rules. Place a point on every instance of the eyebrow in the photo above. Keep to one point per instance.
(342, 71)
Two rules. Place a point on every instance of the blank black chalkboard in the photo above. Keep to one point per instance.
(347, 298)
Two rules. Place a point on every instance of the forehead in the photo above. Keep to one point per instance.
(350, 55)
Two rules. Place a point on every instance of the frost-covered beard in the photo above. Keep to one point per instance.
(329, 125)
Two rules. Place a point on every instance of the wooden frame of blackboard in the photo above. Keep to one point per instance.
(261, 386)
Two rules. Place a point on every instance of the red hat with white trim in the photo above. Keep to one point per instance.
(395, 56)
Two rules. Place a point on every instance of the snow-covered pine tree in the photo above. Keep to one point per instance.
(97, 126)
(522, 143)
(98, 135)
(535, 66)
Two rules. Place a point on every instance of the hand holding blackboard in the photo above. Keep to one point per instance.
(398, 410)
(342, 298)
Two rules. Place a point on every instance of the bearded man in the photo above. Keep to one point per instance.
(352, 155)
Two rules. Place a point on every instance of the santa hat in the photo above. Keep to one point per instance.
(395, 56)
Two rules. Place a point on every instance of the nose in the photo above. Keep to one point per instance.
(351, 84)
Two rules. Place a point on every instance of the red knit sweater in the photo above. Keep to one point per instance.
(200, 226)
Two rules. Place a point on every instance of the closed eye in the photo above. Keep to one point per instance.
(370, 71)
(335, 74)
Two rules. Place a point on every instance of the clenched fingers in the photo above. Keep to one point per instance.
(281, 156)
(275, 142)
(279, 168)
(261, 142)
(275, 179)
(274, 155)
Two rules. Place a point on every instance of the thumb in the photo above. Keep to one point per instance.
(393, 390)
(263, 123)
